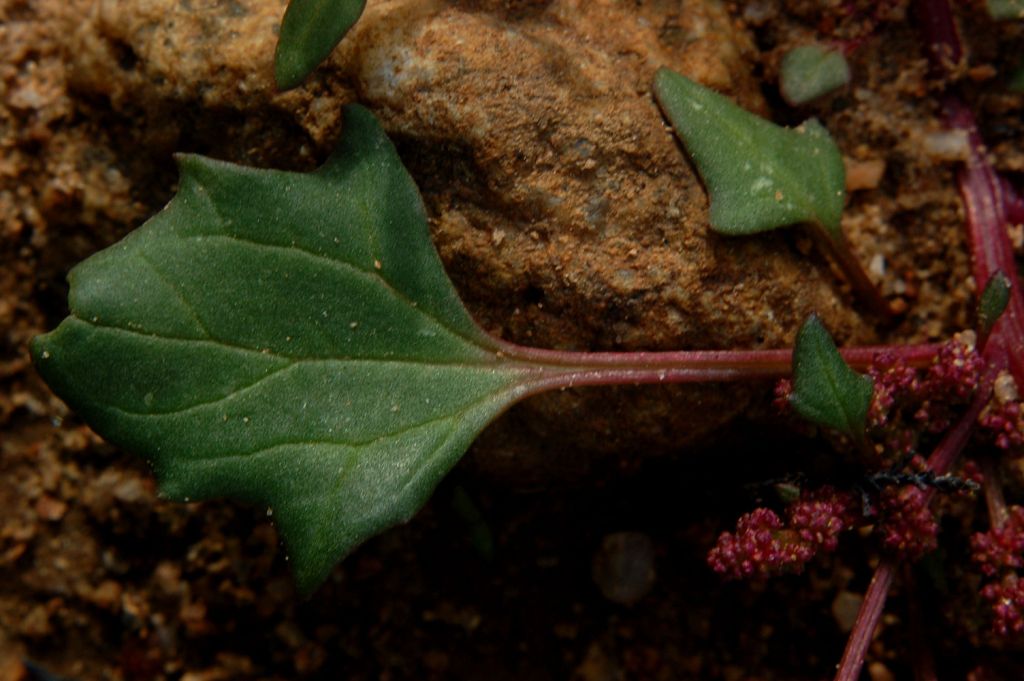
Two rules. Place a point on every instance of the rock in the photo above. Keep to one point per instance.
(845, 607)
(623, 567)
(560, 202)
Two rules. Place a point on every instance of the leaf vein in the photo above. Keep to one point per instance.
(189, 307)
(266, 352)
(350, 267)
(338, 443)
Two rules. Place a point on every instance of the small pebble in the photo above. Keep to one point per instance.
(623, 567)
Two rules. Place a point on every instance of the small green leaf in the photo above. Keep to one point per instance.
(993, 301)
(825, 389)
(1006, 9)
(286, 339)
(309, 31)
(810, 71)
(760, 176)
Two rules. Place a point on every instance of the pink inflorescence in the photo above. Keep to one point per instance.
(818, 517)
(951, 379)
(894, 383)
(1007, 598)
(956, 370)
(1002, 547)
(906, 524)
(763, 546)
(783, 389)
(1005, 421)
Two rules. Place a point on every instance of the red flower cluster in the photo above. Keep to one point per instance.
(906, 524)
(907, 401)
(819, 516)
(951, 380)
(957, 368)
(1003, 417)
(763, 546)
(1001, 548)
(1007, 597)
(1001, 551)
(894, 383)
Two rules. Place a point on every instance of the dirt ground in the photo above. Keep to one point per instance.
(553, 551)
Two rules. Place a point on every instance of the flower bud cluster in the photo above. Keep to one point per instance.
(764, 546)
(908, 401)
(895, 382)
(906, 524)
(950, 381)
(1007, 598)
(1000, 551)
(1003, 417)
(1001, 548)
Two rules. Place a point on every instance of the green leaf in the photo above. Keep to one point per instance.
(993, 301)
(1006, 9)
(760, 176)
(286, 339)
(825, 389)
(810, 71)
(309, 31)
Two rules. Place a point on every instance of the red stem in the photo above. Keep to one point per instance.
(854, 272)
(987, 214)
(982, 191)
(994, 500)
(941, 461)
(563, 369)
(943, 41)
(867, 620)
(988, 204)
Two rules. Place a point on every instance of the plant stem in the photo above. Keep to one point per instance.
(987, 212)
(565, 369)
(940, 461)
(939, 28)
(989, 202)
(983, 195)
(945, 454)
(839, 251)
(994, 500)
(867, 619)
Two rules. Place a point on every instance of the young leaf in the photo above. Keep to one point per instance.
(810, 71)
(760, 176)
(309, 31)
(1006, 9)
(286, 339)
(825, 389)
(993, 301)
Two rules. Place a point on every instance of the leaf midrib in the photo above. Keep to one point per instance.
(487, 360)
(505, 394)
(298, 363)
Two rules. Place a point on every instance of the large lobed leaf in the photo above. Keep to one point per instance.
(760, 176)
(287, 339)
